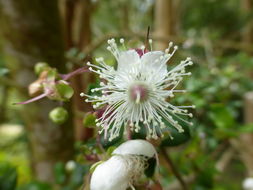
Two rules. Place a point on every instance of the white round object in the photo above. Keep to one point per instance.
(70, 165)
(136, 147)
(248, 184)
(110, 175)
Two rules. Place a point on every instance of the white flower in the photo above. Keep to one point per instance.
(248, 184)
(124, 168)
(137, 91)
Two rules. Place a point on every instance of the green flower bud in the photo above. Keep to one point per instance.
(58, 115)
(39, 67)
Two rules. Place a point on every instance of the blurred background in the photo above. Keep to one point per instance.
(38, 153)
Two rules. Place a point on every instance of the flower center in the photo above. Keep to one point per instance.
(138, 93)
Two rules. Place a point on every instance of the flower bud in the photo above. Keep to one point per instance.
(39, 67)
(35, 88)
(248, 184)
(58, 115)
(136, 147)
(110, 175)
(70, 166)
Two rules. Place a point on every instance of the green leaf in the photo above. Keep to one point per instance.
(175, 138)
(247, 128)
(65, 91)
(142, 133)
(110, 150)
(3, 72)
(106, 143)
(34, 185)
(221, 116)
(59, 173)
(78, 174)
(89, 120)
(206, 177)
(8, 177)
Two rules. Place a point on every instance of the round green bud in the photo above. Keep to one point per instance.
(40, 66)
(58, 115)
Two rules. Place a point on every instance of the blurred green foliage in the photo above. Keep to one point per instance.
(219, 81)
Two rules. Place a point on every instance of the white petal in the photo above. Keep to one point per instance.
(136, 147)
(248, 184)
(110, 175)
(149, 60)
(127, 58)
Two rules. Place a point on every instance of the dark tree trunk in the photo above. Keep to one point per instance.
(78, 28)
(32, 33)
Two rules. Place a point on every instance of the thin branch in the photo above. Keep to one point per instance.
(33, 99)
(173, 168)
(75, 72)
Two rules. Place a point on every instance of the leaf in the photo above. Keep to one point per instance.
(65, 91)
(247, 128)
(106, 143)
(59, 173)
(3, 72)
(141, 134)
(176, 138)
(78, 175)
(8, 177)
(34, 185)
(89, 120)
(221, 116)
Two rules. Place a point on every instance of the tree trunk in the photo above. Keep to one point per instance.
(166, 17)
(246, 140)
(32, 33)
(79, 32)
(247, 7)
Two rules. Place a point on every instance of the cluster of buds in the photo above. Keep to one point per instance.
(54, 86)
(51, 84)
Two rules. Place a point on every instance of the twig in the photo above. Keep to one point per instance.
(225, 159)
(173, 168)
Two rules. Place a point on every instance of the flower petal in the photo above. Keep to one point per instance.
(153, 63)
(127, 58)
(136, 147)
(110, 175)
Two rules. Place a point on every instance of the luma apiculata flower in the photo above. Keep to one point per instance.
(136, 93)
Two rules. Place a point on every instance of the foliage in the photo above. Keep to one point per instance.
(220, 78)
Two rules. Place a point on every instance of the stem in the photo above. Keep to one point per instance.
(173, 168)
(73, 73)
(33, 99)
